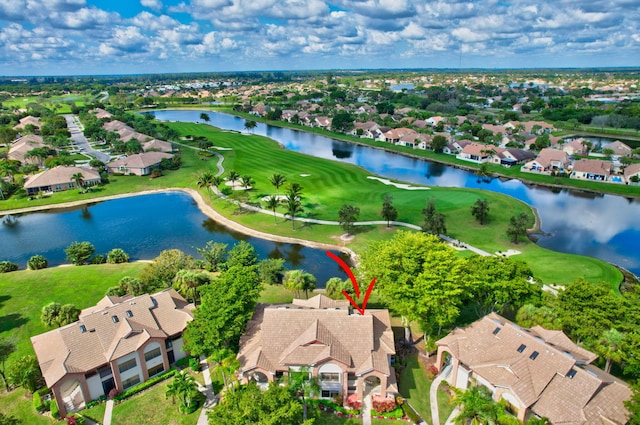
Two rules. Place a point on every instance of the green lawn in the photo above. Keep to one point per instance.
(415, 387)
(16, 404)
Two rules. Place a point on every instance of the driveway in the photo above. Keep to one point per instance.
(78, 138)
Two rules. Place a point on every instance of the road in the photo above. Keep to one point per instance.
(78, 137)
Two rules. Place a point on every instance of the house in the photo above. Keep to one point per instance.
(537, 127)
(619, 149)
(538, 372)
(478, 152)
(364, 128)
(60, 178)
(21, 146)
(548, 160)
(594, 169)
(28, 120)
(632, 172)
(116, 344)
(434, 121)
(576, 147)
(157, 146)
(395, 134)
(349, 353)
(323, 122)
(140, 164)
(512, 156)
(101, 113)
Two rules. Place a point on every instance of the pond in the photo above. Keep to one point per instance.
(573, 221)
(143, 226)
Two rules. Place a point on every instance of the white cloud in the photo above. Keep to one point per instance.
(152, 4)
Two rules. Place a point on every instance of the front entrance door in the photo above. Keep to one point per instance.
(108, 385)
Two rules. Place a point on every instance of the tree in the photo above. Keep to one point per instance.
(7, 347)
(50, 314)
(205, 117)
(225, 363)
(117, 256)
(69, 313)
(79, 253)
(242, 254)
(433, 220)
(342, 121)
(160, 272)
(188, 282)
(250, 405)
(129, 285)
(205, 180)
(250, 125)
(215, 255)
(294, 206)
(438, 143)
(529, 316)
(78, 179)
(246, 181)
(517, 227)
(233, 178)
(476, 406)
(278, 180)
(185, 389)
(480, 210)
(272, 204)
(303, 385)
(608, 152)
(610, 347)
(227, 304)
(389, 212)
(8, 420)
(37, 262)
(418, 277)
(271, 270)
(348, 215)
(335, 286)
(25, 372)
(299, 280)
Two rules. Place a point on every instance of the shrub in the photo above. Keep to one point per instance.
(355, 405)
(37, 402)
(8, 266)
(75, 419)
(182, 363)
(410, 413)
(396, 413)
(79, 253)
(55, 411)
(384, 405)
(98, 259)
(143, 386)
(194, 364)
(117, 256)
(37, 262)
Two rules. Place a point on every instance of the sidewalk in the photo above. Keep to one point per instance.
(433, 395)
(207, 390)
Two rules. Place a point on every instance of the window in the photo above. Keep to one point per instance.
(115, 319)
(156, 370)
(128, 383)
(104, 371)
(330, 377)
(329, 393)
(152, 354)
(521, 348)
(496, 330)
(129, 313)
(168, 344)
(83, 328)
(571, 373)
(534, 355)
(129, 364)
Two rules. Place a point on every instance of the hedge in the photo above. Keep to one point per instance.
(55, 411)
(146, 384)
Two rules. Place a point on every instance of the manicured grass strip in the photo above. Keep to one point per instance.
(19, 406)
(414, 386)
(23, 294)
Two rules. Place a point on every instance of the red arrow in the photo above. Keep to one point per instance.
(354, 283)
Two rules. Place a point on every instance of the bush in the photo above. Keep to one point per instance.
(396, 413)
(78, 253)
(37, 262)
(143, 386)
(8, 266)
(194, 364)
(182, 363)
(410, 413)
(37, 403)
(55, 411)
(384, 406)
(117, 256)
(98, 259)
(75, 419)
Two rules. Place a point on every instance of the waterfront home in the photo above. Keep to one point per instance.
(28, 120)
(478, 152)
(619, 149)
(114, 345)
(395, 134)
(594, 169)
(632, 172)
(576, 147)
(20, 147)
(537, 372)
(548, 160)
(60, 178)
(140, 164)
(349, 353)
(155, 145)
(512, 156)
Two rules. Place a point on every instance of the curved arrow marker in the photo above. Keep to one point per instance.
(354, 283)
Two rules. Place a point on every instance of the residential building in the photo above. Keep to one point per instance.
(538, 372)
(631, 171)
(348, 352)
(28, 120)
(155, 145)
(140, 164)
(19, 148)
(576, 147)
(547, 161)
(118, 343)
(60, 178)
(619, 149)
(594, 169)
(478, 152)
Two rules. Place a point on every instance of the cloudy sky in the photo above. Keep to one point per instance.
(77, 37)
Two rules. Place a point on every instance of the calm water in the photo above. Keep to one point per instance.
(606, 227)
(143, 226)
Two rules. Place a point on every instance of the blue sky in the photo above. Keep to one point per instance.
(80, 37)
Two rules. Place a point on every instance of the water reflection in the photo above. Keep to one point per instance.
(576, 221)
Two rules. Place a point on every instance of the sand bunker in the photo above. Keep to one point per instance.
(398, 185)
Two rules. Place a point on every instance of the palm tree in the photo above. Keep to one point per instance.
(205, 180)
(476, 406)
(277, 180)
(250, 125)
(294, 206)
(296, 189)
(204, 117)
(184, 388)
(609, 347)
(187, 283)
(304, 386)
(233, 177)
(78, 178)
(225, 364)
(246, 181)
(272, 204)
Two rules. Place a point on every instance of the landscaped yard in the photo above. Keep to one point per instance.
(19, 406)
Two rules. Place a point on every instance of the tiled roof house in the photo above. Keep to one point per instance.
(594, 169)
(60, 178)
(538, 372)
(140, 164)
(117, 343)
(548, 160)
(348, 352)
(20, 147)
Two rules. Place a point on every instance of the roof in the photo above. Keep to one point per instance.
(26, 121)
(631, 170)
(157, 145)
(101, 113)
(310, 332)
(544, 369)
(619, 148)
(21, 146)
(76, 349)
(60, 175)
(140, 160)
(593, 166)
(549, 155)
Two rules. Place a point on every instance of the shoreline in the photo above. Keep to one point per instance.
(205, 208)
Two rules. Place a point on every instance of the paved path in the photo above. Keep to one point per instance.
(207, 390)
(78, 137)
(366, 410)
(433, 395)
(107, 413)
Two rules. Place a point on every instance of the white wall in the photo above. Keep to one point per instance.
(156, 360)
(177, 349)
(133, 371)
(95, 386)
(462, 380)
